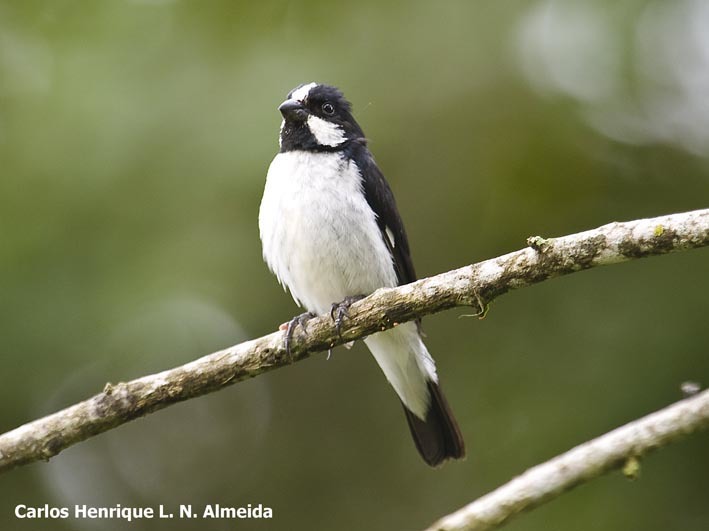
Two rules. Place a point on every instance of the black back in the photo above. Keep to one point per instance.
(381, 200)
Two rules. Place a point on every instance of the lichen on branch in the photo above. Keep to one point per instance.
(474, 285)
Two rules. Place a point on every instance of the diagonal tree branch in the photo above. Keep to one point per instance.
(621, 447)
(473, 285)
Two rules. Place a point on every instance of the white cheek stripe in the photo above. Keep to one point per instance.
(302, 92)
(326, 133)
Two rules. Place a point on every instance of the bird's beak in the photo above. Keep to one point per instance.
(293, 110)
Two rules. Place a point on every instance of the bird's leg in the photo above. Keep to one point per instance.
(290, 327)
(340, 310)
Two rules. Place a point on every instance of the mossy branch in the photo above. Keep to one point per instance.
(473, 285)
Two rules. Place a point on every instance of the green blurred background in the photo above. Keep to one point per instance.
(134, 142)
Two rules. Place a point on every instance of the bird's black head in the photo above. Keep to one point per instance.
(317, 118)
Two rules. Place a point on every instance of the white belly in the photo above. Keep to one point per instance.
(319, 235)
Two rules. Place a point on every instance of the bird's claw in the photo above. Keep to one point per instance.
(340, 310)
(301, 320)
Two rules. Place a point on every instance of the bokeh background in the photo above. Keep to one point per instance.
(134, 142)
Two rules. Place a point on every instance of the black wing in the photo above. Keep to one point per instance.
(381, 200)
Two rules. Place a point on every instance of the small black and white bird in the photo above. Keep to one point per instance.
(331, 232)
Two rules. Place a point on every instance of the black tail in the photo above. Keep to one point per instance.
(438, 437)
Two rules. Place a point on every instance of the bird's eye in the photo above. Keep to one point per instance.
(328, 108)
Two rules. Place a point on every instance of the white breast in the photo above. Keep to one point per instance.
(319, 235)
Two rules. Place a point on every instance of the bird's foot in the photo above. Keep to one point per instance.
(290, 327)
(340, 310)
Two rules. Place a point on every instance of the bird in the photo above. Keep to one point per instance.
(331, 233)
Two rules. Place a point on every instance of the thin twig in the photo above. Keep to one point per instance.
(620, 448)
